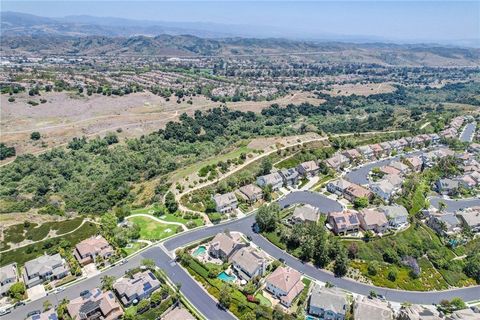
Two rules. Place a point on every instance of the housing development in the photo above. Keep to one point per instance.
(147, 173)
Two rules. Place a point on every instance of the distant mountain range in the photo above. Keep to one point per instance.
(90, 36)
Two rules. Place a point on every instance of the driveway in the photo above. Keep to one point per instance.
(453, 205)
(315, 199)
(468, 131)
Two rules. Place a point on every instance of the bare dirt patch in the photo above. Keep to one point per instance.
(65, 116)
(360, 89)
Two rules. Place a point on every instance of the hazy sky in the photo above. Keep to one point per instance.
(395, 20)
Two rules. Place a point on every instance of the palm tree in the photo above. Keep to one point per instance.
(107, 282)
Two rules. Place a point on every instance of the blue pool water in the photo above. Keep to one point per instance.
(225, 277)
(311, 318)
(200, 250)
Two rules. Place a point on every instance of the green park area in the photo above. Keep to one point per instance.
(154, 230)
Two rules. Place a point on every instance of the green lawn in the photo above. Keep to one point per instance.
(24, 254)
(135, 247)
(153, 230)
(169, 217)
(263, 301)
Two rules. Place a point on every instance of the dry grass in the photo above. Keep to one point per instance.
(360, 89)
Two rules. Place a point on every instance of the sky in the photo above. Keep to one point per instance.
(382, 19)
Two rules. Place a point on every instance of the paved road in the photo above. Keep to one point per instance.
(467, 133)
(360, 174)
(315, 199)
(453, 205)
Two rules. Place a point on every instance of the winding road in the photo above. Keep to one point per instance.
(163, 255)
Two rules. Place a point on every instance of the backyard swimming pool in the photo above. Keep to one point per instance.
(199, 251)
(225, 277)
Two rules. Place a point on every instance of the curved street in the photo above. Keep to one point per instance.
(453, 205)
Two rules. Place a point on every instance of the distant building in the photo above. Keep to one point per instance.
(89, 249)
(338, 187)
(251, 193)
(418, 312)
(444, 224)
(305, 213)
(403, 168)
(397, 215)
(447, 186)
(95, 304)
(177, 314)
(140, 286)
(377, 150)
(223, 245)
(366, 152)
(248, 263)
(290, 177)
(371, 309)
(471, 218)
(415, 162)
(355, 191)
(44, 268)
(383, 189)
(344, 222)
(225, 202)
(308, 168)
(328, 303)
(374, 220)
(285, 284)
(353, 155)
(8, 276)
(337, 162)
(274, 179)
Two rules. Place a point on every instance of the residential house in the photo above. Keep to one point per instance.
(337, 162)
(285, 284)
(471, 218)
(434, 138)
(418, 142)
(140, 286)
(44, 268)
(338, 187)
(251, 193)
(273, 179)
(397, 215)
(418, 312)
(328, 303)
(223, 245)
(353, 155)
(177, 313)
(395, 180)
(387, 147)
(290, 177)
(305, 213)
(383, 189)
(366, 152)
(308, 168)
(8, 276)
(403, 143)
(466, 181)
(95, 304)
(463, 314)
(389, 170)
(248, 263)
(474, 147)
(395, 145)
(46, 315)
(447, 186)
(354, 191)
(415, 163)
(444, 224)
(377, 150)
(374, 220)
(365, 308)
(475, 175)
(344, 222)
(403, 168)
(89, 249)
(226, 202)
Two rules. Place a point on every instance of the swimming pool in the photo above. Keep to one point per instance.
(199, 251)
(227, 278)
(311, 318)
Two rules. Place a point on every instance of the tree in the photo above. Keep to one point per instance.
(62, 309)
(266, 166)
(340, 267)
(35, 135)
(149, 263)
(267, 217)
(472, 266)
(107, 282)
(392, 274)
(250, 315)
(352, 250)
(109, 223)
(17, 291)
(143, 305)
(121, 213)
(225, 298)
(170, 202)
(442, 205)
(156, 298)
(361, 202)
(47, 305)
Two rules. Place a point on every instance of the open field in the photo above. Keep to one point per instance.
(152, 230)
(66, 115)
(360, 89)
